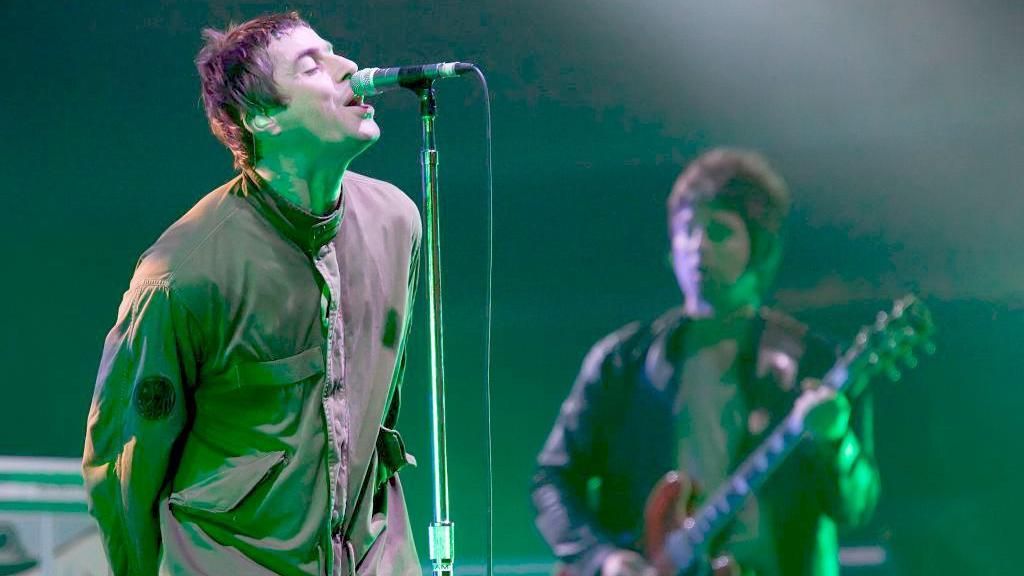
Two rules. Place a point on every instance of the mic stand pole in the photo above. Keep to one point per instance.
(442, 530)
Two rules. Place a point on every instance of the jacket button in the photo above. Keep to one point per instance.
(323, 251)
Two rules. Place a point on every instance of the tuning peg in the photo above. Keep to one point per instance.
(891, 342)
(911, 361)
(929, 348)
(893, 373)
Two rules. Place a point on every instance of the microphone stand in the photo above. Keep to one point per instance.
(442, 530)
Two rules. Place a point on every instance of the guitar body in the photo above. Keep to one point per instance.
(668, 505)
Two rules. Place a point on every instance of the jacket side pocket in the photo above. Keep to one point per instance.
(226, 489)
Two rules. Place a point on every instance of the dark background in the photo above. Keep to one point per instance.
(898, 125)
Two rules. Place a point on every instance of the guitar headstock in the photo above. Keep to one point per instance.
(892, 342)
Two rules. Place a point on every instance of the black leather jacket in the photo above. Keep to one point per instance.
(615, 438)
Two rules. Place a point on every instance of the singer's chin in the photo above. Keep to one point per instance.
(362, 137)
(369, 131)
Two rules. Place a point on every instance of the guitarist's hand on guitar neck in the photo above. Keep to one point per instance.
(824, 412)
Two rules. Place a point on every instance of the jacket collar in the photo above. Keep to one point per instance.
(307, 230)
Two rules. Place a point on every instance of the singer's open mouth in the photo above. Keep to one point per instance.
(354, 100)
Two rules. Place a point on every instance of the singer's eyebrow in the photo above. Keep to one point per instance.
(327, 47)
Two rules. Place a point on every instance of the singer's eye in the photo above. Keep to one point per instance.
(308, 65)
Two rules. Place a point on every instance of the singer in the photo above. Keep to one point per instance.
(243, 420)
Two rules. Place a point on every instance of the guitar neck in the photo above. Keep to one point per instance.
(755, 470)
(723, 504)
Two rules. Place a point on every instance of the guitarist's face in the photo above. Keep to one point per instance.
(711, 255)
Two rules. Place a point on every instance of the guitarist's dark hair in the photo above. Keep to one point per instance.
(743, 181)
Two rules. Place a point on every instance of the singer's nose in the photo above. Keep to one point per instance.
(343, 68)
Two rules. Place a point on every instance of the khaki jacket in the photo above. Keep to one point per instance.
(243, 416)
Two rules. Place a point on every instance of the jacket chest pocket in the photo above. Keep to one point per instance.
(280, 372)
(252, 395)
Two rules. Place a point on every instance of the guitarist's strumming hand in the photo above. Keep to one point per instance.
(629, 563)
(824, 412)
(626, 563)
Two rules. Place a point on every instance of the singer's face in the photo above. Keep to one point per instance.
(320, 107)
(710, 253)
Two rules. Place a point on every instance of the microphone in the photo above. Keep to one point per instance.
(373, 81)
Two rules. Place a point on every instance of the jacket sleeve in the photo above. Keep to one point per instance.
(849, 482)
(574, 454)
(412, 284)
(847, 479)
(138, 412)
(390, 447)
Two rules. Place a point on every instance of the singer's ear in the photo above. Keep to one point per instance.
(261, 123)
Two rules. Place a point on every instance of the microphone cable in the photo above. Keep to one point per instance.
(489, 554)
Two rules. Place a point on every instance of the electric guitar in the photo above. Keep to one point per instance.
(680, 546)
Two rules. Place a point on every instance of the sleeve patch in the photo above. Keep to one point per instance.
(390, 336)
(154, 397)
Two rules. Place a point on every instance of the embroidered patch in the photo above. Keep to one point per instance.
(390, 337)
(154, 397)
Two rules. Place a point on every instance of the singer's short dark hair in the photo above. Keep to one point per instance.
(742, 181)
(237, 77)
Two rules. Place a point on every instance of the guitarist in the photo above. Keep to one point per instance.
(695, 389)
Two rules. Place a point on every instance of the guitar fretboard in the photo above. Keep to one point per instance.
(752, 473)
